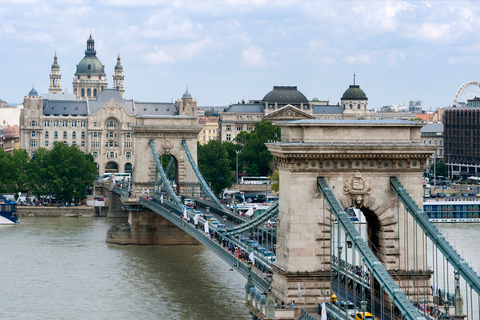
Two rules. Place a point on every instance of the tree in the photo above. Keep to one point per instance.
(275, 180)
(255, 157)
(6, 172)
(70, 172)
(37, 172)
(214, 164)
(18, 170)
(232, 149)
(439, 168)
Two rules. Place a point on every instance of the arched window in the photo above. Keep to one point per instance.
(89, 93)
(94, 92)
(54, 82)
(83, 92)
(358, 106)
(351, 106)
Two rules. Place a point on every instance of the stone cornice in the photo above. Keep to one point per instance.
(166, 131)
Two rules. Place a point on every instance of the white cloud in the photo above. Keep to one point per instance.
(395, 56)
(253, 57)
(360, 59)
(159, 57)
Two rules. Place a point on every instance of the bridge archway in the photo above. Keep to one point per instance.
(111, 167)
(167, 134)
(356, 158)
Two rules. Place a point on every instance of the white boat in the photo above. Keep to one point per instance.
(8, 212)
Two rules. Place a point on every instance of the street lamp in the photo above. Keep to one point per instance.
(237, 152)
(363, 303)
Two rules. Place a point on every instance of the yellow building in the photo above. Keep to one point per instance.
(210, 129)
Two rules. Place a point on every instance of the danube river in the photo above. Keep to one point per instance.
(61, 268)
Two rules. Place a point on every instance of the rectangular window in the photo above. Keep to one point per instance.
(95, 155)
(46, 123)
(33, 123)
(128, 124)
(74, 135)
(55, 135)
(83, 135)
(94, 124)
(74, 143)
(65, 124)
(32, 143)
(83, 124)
(46, 144)
(46, 134)
(32, 134)
(128, 155)
(249, 127)
(239, 128)
(229, 127)
(64, 143)
(128, 135)
(55, 123)
(229, 137)
(64, 135)
(95, 134)
(128, 144)
(74, 123)
(83, 144)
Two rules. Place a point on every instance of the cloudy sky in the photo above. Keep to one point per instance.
(228, 50)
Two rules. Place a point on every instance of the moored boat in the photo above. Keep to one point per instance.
(8, 212)
(453, 210)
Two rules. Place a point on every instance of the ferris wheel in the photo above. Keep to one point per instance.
(467, 91)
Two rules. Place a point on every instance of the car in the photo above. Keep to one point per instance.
(368, 316)
(426, 195)
(440, 195)
(270, 256)
(334, 298)
(447, 195)
(261, 250)
(188, 202)
(253, 243)
(221, 226)
(348, 307)
(464, 194)
(214, 222)
(244, 240)
(471, 194)
(210, 216)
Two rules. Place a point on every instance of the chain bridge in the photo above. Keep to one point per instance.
(346, 240)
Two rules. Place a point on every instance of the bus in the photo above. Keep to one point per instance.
(118, 177)
(255, 180)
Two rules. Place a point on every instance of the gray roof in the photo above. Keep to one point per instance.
(432, 128)
(33, 92)
(336, 109)
(64, 107)
(105, 96)
(346, 121)
(245, 108)
(155, 108)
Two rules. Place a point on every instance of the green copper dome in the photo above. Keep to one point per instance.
(354, 93)
(90, 63)
(285, 95)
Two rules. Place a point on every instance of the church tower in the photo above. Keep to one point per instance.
(90, 77)
(187, 106)
(55, 78)
(118, 77)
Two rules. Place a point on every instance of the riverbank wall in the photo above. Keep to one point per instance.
(61, 212)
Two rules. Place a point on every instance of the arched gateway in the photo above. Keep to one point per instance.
(357, 159)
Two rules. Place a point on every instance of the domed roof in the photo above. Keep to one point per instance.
(33, 92)
(187, 95)
(285, 95)
(90, 63)
(354, 93)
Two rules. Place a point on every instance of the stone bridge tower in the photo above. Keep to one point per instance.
(167, 132)
(356, 158)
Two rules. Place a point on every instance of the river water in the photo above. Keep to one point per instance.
(61, 268)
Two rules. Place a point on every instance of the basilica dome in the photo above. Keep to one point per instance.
(90, 64)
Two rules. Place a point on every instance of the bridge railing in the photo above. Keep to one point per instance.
(172, 214)
(386, 283)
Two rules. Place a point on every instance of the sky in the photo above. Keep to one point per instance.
(226, 51)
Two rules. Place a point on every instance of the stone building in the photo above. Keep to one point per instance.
(210, 129)
(432, 135)
(285, 103)
(96, 119)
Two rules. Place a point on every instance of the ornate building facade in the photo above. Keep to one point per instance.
(96, 119)
(285, 103)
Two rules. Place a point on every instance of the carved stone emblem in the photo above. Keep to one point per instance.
(358, 187)
(167, 146)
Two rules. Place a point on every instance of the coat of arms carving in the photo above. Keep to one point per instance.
(357, 186)
(167, 146)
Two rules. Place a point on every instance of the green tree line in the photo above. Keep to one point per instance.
(64, 170)
(218, 160)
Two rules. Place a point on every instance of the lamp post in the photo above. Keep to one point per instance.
(237, 152)
(363, 303)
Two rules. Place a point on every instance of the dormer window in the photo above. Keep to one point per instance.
(89, 67)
